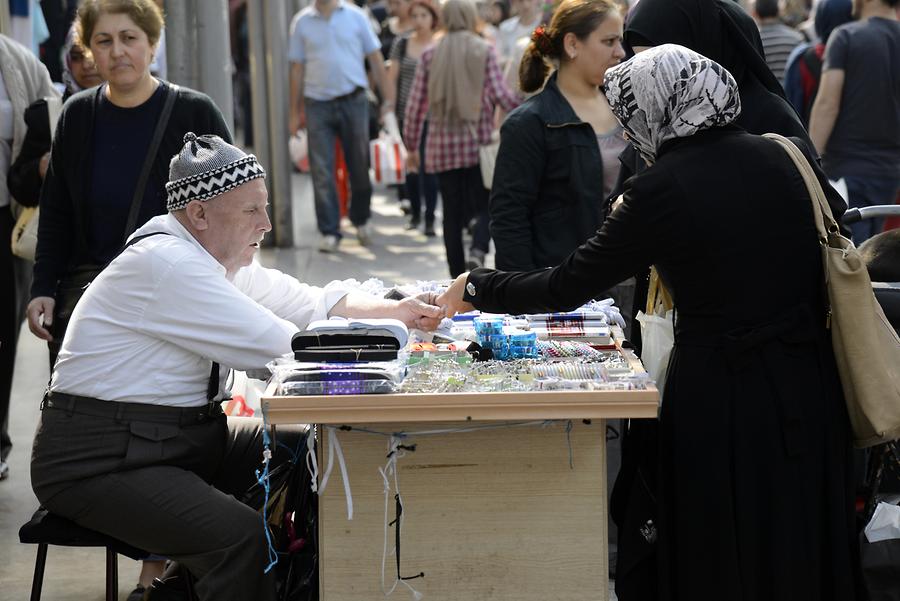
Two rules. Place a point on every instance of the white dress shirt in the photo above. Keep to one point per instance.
(149, 326)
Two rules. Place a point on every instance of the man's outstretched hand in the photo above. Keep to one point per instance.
(420, 311)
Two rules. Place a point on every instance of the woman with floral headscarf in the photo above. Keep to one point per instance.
(755, 501)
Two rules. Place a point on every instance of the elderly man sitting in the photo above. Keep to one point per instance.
(132, 441)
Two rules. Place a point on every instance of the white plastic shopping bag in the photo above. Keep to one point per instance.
(657, 340)
(298, 147)
(388, 159)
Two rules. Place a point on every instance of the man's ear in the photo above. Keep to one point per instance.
(196, 214)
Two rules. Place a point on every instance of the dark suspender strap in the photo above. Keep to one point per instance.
(212, 389)
(135, 240)
(150, 158)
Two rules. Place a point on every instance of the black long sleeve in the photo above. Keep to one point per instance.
(632, 237)
(57, 223)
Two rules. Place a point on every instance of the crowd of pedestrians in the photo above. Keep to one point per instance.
(581, 141)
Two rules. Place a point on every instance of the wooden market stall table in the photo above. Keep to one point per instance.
(510, 504)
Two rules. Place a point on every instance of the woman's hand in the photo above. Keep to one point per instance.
(452, 299)
(40, 316)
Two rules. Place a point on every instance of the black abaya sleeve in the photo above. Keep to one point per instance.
(631, 239)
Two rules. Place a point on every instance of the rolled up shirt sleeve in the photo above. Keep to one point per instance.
(287, 297)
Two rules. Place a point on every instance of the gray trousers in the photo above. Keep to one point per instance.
(162, 479)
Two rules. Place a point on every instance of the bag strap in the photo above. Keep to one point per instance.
(657, 294)
(150, 158)
(813, 62)
(825, 223)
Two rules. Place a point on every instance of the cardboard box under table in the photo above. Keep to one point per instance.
(508, 504)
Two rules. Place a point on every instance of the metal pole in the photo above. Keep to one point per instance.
(181, 53)
(214, 62)
(276, 21)
(260, 97)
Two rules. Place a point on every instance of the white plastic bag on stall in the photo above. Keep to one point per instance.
(657, 330)
(657, 340)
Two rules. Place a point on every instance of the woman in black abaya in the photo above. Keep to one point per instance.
(722, 31)
(755, 496)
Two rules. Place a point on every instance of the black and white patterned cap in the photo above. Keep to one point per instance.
(206, 167)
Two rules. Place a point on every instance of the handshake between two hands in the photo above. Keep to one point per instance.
(425, 311)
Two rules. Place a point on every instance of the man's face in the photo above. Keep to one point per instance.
(237, 221)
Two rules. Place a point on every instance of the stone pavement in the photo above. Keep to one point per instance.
(395, 255)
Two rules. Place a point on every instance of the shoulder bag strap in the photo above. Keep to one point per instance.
(825, 223)
(150, 158)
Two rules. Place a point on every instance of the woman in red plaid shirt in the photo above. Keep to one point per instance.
(458, 83)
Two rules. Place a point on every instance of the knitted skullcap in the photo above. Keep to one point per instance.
(206, 167)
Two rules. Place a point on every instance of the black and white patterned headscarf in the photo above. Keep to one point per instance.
(670, 92)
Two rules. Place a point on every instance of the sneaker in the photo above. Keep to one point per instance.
(137, 594)
(363, 235)
(329, 243)
(475, 260)
(405, 206)
(4, 470)
(429, 229)
(412, 224)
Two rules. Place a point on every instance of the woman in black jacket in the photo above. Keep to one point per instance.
(98, 153)
(755, 499)
(558, 150)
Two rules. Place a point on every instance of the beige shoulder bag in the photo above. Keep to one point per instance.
(866, 347)
(25, 232)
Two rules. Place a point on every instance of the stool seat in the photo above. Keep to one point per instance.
(51, 529)
(45, 529)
